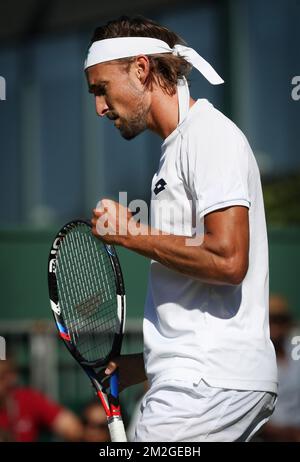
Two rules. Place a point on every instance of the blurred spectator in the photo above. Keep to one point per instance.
(25, 411)
(5, 437)
(95, 424)
(284, 424)
(130, 431)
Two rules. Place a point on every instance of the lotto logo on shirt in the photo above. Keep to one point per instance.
(159, 186)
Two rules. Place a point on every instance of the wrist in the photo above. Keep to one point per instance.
(134, 241)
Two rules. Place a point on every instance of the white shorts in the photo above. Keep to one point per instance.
(177, 411)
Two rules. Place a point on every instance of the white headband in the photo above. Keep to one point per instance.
(125, 47)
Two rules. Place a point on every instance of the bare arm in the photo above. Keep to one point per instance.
(222, 258)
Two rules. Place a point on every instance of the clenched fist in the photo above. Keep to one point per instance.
(113, 223)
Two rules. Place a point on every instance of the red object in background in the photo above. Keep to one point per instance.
(26, 412)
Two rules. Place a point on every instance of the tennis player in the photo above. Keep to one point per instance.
(208, 355)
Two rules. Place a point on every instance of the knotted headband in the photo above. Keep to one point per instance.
(125, 47)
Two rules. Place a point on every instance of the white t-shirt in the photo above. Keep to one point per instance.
(193, 329)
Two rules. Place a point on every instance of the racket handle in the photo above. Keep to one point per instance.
(116, 429)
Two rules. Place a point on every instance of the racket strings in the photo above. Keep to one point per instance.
(87, 293)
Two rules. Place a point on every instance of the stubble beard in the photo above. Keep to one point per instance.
(136, 124)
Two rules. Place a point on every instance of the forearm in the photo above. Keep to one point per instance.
(205, 261)
(221, 257)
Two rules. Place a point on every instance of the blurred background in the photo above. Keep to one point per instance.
(58, 160)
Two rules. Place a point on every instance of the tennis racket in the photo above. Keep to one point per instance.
(87, 298)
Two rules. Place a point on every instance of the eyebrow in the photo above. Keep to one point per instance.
(96, 85)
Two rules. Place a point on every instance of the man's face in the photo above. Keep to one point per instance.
(120, 96)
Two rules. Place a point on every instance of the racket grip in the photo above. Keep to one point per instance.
(116, 429)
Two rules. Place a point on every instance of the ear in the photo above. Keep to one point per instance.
(142, 68)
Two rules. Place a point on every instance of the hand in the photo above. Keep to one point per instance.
(111, 222)
(131, 369)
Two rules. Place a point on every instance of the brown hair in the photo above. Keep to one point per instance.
(166, 69)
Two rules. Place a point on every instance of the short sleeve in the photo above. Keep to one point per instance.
(214, 165)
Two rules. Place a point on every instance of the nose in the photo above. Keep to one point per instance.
(101, 106)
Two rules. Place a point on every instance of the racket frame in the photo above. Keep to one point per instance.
(110, 401)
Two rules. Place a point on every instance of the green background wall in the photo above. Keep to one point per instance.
(23, 275)
(23, 272)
